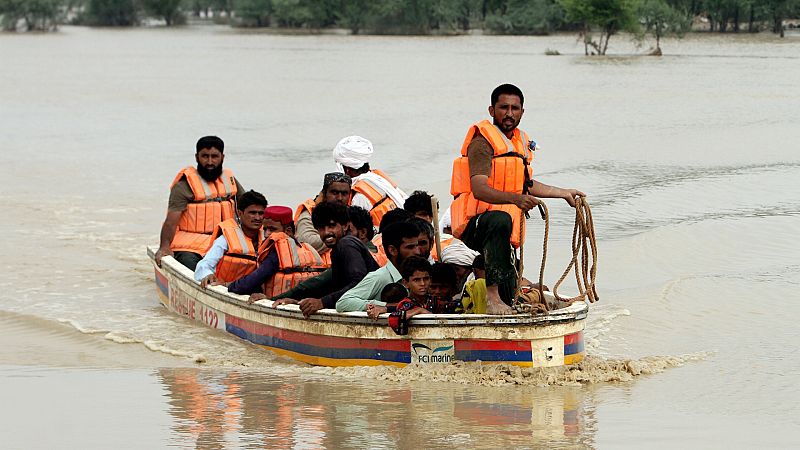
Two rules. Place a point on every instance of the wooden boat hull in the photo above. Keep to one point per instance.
(329, 338)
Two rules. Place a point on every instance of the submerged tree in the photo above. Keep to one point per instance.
(37, 15)
(659, 19)
(169, 10)
(112, 13)
(607, 17)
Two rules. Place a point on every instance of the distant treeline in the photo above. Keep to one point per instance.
(590, 18)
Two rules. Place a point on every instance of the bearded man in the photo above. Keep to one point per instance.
(199, 199)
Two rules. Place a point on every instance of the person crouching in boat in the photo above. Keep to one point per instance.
(199, 199)
(372, 189)
(282, 261)
(493, 186)
(443, 289)
(399, 243)
(416, 273)
(234, 249)
(460, 258)
(335, 189)
(351, 260)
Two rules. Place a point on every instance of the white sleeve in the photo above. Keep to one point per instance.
(208, 264)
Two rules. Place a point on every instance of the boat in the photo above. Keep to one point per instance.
(329, 338)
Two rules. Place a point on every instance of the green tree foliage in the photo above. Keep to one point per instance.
(112, 13)
(36, 15)
(354, 15)
(606, 17)
(253, 13)
(169, 10)
(526, 17)
(659, 19)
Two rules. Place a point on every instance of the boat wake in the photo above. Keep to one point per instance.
(592, 369)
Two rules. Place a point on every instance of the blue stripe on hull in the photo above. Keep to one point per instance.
(493, 355)
(571, 349)
(334, 353)
(162, 287)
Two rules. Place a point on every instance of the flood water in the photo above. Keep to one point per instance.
(690, 165)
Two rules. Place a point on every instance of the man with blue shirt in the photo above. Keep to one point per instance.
(234, 251)
(400, 241)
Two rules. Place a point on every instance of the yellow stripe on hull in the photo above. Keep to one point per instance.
(574, 358)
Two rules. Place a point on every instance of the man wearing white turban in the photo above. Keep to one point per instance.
(372, 189)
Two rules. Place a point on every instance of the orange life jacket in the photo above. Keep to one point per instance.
(296, 262)
(213, 202)
(241, 257)
(307, 205)
(511, 170)
(380, 253)
(381, 202)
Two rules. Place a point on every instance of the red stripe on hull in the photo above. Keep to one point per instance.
(519, 346)
(573, 338)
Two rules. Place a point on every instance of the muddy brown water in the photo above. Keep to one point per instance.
(689, 160)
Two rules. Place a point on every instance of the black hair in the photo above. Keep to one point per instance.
(507, 89)
(394, 234)
(419, 201)
(326, 212)
(393, 293)
(361, 220)
(414, 264)
(479, 262)
(251, 198)
(423, 226)
(209, 142)
(393, 216)
(443, 273)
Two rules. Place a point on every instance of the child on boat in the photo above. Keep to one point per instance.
(416, 273)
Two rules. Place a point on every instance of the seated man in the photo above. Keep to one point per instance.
(283, 262)
(350, 259)
(234, 249)
(393, 216)
(360, 226)
(372, 189)
(399, 243)
(425, 240)
(419, 204)
(335, 189)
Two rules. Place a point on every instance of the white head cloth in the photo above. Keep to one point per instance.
(458, 253)
(353, 152)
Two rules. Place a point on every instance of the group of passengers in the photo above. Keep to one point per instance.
(326, 253)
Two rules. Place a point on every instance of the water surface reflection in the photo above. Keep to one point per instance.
(214, 409)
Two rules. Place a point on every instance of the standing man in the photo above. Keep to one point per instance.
(373, 190)
(493, 186)
(199, 199)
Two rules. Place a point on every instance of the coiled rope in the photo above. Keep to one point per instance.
(584, 246)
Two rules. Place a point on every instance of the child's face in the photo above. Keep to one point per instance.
(418, 283)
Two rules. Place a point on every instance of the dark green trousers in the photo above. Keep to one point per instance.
(188, 259)
(490, 234)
